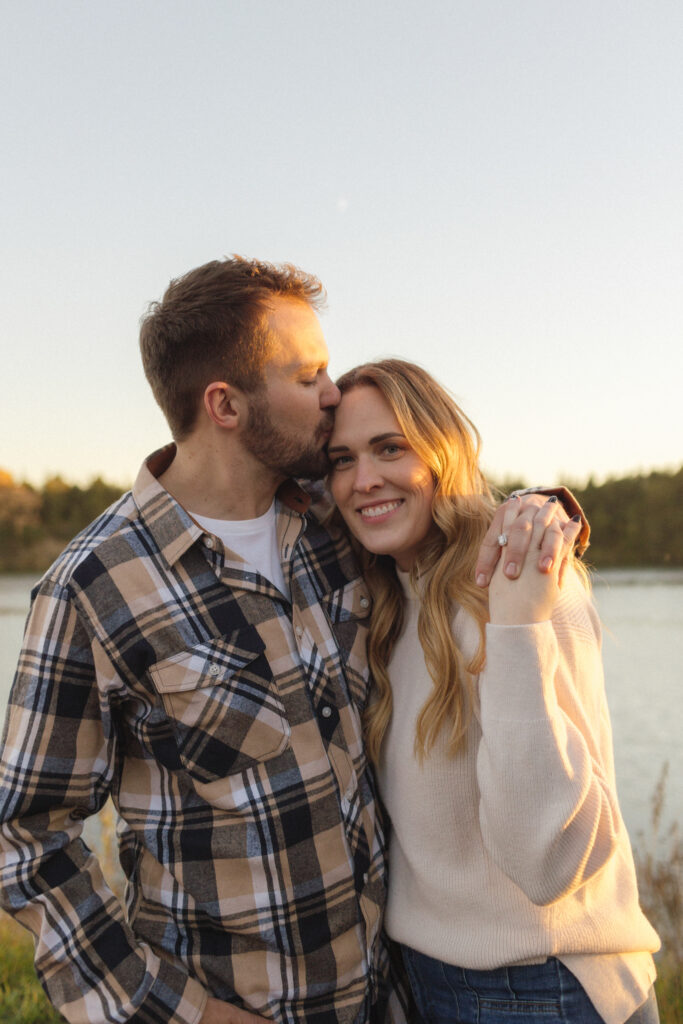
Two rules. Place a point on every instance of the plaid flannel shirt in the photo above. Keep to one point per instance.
(225, 723)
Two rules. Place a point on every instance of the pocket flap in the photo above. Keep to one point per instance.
(207, 663)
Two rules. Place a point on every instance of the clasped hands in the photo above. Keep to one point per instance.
(524, 575)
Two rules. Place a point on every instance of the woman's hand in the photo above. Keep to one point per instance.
(533, 595)
(514, 554)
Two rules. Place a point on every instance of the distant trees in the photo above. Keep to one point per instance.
(636, 521)
(65, 509)
(35, 524)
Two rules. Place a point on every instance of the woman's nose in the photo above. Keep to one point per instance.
(367, 475)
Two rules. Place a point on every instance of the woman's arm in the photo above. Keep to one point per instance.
(548, 807)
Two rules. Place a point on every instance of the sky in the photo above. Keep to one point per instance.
(492, 188)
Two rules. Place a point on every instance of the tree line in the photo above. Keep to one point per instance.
(637, 521)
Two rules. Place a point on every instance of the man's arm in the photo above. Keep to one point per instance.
(218, 1012)
(56, 768)
(566, 520)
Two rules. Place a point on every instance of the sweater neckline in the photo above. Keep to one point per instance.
(410, 590)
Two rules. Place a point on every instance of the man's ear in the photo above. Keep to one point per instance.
(225, 405)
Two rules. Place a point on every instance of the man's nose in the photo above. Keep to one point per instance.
(330, 395)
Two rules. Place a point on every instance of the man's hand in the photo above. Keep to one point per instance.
(218, 1012)
(515, 518)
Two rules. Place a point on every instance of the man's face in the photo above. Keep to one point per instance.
(291, 416)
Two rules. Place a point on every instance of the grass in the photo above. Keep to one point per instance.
(659, 862)
(22, 1000)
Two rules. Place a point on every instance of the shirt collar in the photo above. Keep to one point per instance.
(172, 528)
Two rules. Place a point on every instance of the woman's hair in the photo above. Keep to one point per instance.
(462, 509)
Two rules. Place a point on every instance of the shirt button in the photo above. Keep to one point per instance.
(299, 632)
(364, 602)
(326, 711)
(366, 878)
(209, 542)
(214, 670)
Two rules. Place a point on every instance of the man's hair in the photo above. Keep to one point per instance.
(211, 325)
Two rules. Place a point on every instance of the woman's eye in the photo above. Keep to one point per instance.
(340, 461)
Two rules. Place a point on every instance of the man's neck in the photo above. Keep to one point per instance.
(219, 483)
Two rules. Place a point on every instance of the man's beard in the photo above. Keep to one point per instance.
(280, 452)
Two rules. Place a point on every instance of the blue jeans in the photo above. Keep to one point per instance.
(531, 994)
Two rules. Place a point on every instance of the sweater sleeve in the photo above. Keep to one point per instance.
(56, 766)
(548, 807)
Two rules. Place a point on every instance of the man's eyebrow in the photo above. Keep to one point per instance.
(312, 364)
(373, 440)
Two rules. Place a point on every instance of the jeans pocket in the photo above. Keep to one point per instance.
(503, 1011)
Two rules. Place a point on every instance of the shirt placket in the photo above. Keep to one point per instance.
(330, 699)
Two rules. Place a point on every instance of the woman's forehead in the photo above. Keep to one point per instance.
(363, 412)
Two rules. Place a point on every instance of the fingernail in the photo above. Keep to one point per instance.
(552, 499)
(546, 563)
(511, 569)
(481, 580)
(576, 518)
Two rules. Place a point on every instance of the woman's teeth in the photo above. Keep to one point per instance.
(372, 511)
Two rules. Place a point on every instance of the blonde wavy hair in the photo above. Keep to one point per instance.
(462, 508)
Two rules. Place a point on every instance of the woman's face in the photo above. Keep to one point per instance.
(382, 487)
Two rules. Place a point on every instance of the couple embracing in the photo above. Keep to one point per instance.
(200, 654)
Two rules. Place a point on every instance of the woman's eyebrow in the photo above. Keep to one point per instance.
(373, 440)
(385, 437)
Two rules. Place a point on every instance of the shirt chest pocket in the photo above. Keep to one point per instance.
(225, 708)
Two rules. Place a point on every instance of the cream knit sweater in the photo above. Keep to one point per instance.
(515, 849)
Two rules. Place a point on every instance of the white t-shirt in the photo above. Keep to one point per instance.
(255, 540)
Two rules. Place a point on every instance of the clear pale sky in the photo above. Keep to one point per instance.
(494, 189)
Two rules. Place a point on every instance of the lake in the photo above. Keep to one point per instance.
(642, 614)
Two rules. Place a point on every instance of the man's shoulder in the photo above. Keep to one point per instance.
(99, 541)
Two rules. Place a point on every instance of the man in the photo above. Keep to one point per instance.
(198, 653)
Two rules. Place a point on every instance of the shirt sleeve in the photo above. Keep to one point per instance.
(548, 807)
(57, 762)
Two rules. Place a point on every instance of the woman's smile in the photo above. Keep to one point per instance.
(377, 512)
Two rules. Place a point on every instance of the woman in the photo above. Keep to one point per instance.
(512, 891)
